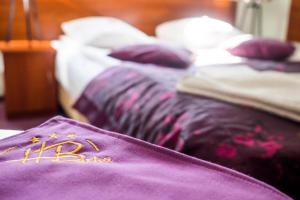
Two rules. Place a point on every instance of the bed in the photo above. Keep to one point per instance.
(273, 158)
(73, 81)
(251, 140)
(72, 78)
(73, 52)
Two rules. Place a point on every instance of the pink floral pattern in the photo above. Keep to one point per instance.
(270, 148)
(246, 140)
(226, 151)
(260, 139)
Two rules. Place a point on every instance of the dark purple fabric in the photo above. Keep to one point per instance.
(64, 159)
(142, 102)
(263, 48)
(154, 54)
(262, 65)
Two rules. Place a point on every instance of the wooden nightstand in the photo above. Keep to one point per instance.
(30, 86)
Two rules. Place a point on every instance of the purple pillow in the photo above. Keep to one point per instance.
(263, 48)
(65, 159)
(154, 54)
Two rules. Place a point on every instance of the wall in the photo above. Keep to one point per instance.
(275, 18)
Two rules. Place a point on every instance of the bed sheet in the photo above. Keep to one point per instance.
(8, 133)
(77, 65)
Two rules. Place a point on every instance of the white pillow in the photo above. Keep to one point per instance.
(236, 40)
(196, 33)
(104, 32)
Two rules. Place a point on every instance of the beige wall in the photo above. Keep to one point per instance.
(275, 18)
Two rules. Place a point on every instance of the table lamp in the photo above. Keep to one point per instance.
(31, 15)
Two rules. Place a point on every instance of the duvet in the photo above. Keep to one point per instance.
(141, 101)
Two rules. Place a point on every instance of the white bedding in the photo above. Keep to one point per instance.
(296, 56)
(104, 32)
(271, 91)
(77, 65)
(216, 56)
(197, 32)
(8, 133)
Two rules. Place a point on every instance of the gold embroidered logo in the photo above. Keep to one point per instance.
(35, 139)
(7, 150)
(53, 136)
(71, 136)
(60, 152)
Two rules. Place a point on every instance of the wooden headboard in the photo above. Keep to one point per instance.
(144, 14)
(294, 30)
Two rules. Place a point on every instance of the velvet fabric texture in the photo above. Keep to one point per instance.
(154, 54)
(64, 159)
(263, 48)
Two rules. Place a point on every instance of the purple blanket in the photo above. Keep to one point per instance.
(141, 101)
(63, 159)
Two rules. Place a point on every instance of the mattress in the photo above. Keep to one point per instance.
(77, 65)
